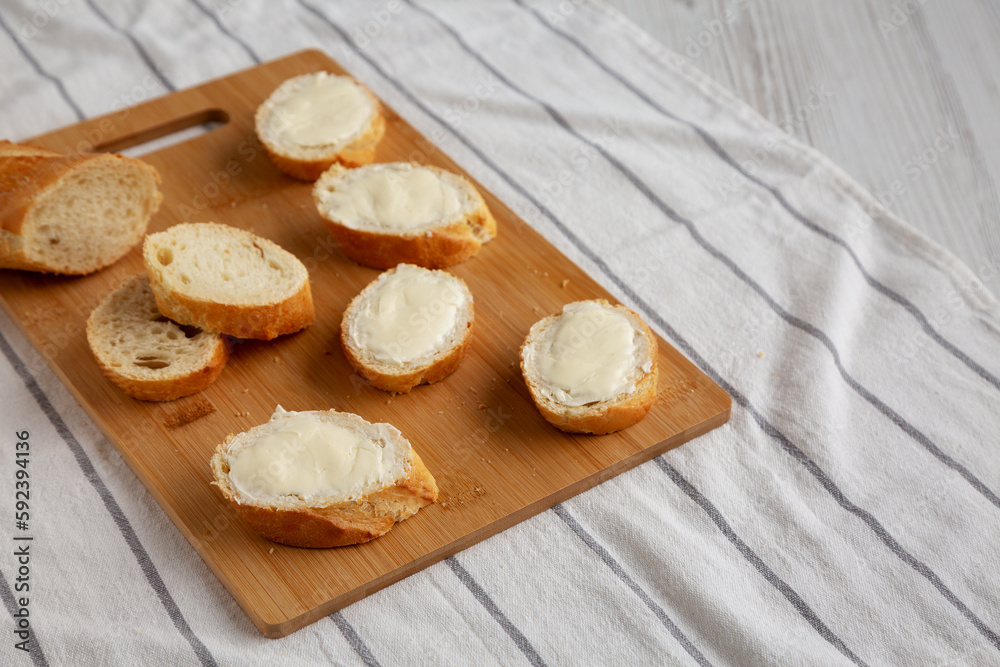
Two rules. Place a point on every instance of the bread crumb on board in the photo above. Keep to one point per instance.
(188, 413)
(564, 284)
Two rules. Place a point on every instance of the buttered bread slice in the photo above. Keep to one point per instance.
(322, 478)
(315, 120)
(407, 327)
(591, 368)
(227, 280)
(387, 214)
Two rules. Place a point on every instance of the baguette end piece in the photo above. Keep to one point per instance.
(71, 214)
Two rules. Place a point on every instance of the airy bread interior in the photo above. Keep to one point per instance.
(223, 264)
(146, 354)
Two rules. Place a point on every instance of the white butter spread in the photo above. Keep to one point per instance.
(410, 314)
(592, 353)
(394, 196)
(312, 459)
(325, 110)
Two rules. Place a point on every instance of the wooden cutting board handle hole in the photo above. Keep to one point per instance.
(165, 134)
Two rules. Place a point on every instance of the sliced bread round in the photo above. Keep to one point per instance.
(315, 120)
(591, 368)
(227, 280)
(407, 327)
(71, 214)
(387, 214)
(322, 478)
(147, 355)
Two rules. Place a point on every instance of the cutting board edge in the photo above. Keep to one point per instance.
(277, 628)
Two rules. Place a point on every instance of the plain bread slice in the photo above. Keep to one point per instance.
(228, 280)
(150, 357)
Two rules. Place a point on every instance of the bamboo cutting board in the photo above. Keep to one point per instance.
(496, 460)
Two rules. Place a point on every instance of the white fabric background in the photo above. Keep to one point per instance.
(848, 511)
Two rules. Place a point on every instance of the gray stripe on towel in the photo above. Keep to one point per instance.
(631, 584)
(146, 58)
(110, 504)
(41, 70)
(354, 639)
(795, 321)
(724, 155)
(484, 599)
(765, 425)
(34, 646)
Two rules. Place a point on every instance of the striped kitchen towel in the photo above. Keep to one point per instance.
(848, 512)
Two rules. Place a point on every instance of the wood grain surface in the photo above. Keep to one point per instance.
(895, 74)
(496, 460)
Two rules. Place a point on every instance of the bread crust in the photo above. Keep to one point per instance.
(438, 249)
(603, 417)
(171, 389)
(359, 152)
(402, 383)
(107, 320)
(26, 172)
(260, 322)
(338, 524)
(606, 416)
